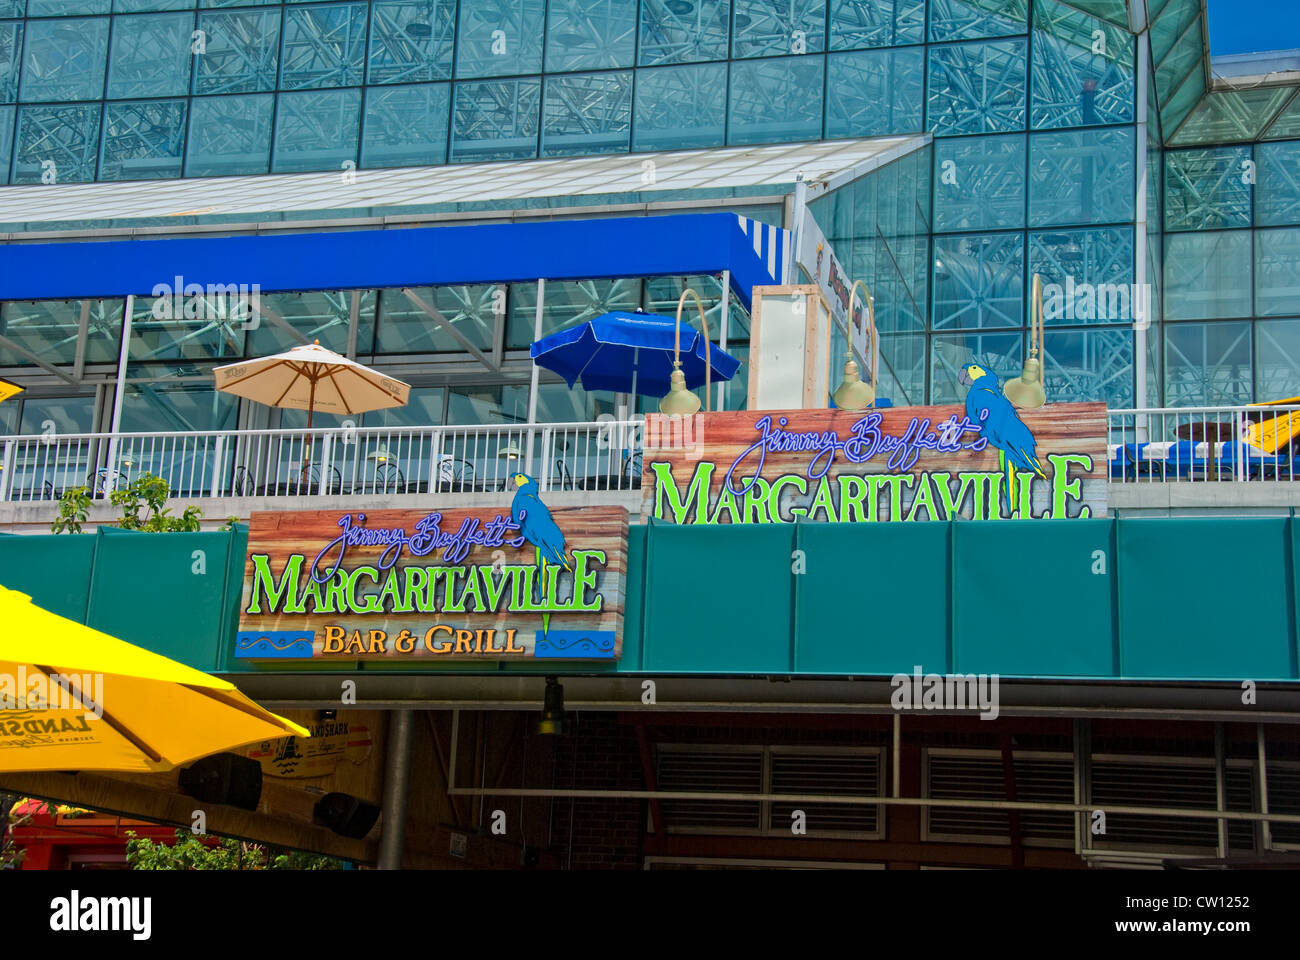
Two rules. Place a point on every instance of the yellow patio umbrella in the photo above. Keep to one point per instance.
(73, 698)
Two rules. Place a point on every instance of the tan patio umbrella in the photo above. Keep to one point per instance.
(312, 378)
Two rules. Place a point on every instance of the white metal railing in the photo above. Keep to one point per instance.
(1195, 444)
(335, 461)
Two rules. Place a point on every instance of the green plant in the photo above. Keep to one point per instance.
(74, 507)
(142, 505)
(10, 855)
(191, 852)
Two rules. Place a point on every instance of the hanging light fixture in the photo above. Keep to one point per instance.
(853, 394)
(380, 455)
(1026, 391)
(552, 722)
(680, 401)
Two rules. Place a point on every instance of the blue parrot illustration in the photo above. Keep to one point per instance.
(1002, 426)
(537, 527)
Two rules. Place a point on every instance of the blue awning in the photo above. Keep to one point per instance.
(677, 245)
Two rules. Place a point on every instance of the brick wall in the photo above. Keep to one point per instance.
(598, 753)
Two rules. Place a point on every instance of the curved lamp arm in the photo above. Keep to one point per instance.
(677, 342)
(1036, 324)
(871, 325)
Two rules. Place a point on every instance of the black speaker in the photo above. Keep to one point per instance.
(224, 778)
(345, 815)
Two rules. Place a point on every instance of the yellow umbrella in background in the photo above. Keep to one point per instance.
(73, 698)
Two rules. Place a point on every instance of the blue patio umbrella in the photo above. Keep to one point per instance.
(629, 353)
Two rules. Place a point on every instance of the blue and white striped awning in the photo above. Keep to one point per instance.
(677, 245)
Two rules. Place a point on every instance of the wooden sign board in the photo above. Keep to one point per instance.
(435, 586)
(894, 463)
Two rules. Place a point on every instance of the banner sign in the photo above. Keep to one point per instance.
(896, 463)
(817, 260)
(472, 584)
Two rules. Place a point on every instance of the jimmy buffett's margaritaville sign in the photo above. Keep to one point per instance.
(471, 584)
(895, 463)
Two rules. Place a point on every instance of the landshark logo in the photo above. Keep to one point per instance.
(74, 914)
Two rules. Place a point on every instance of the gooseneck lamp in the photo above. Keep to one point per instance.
(680, 401)
(853, 394)
(1026, 391)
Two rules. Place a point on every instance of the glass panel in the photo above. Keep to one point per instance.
(56, 144)
(661, 295)
(12, 8)
(316, 130)
(11, 48)
(1180, 104)
(323, 46)
(320, 315)
(1207, 364)
(1166, 28)
(65, 8)
(482, 404)
(776, 101)
(979, 281)
(901, 376)
(404, 327)
(1207, 275)
(1073, 84)
(876, 93)
(192, 405)
(1089, 365)
(1205, 189)
(411, 40)
(1000, 353)
(1287, 123)
(977, 87)
(140, 6)
(1278, 175)
(870, 23)
(680, 107)
(1081, 177)
(142, 140)
(587, 114)
(66, 414)
(1087, 276)
(6, 140)
(1277, 359)
(424, 408)
(242, 52)
(1277, 272)
(970, 19)
(192, 326)
(590, 34)
(229, 135)
(49, 329)
(684, 31)
(151, 56)
(1183, 58)
(770, 28)
(406, 126)
(1231, 115)
(64, 59)
(568, 302)
(500, 37)
(556, 403)
(979, 183)
(496, 120)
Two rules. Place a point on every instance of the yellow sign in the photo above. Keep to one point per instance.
(330, 742)
(8, 389)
